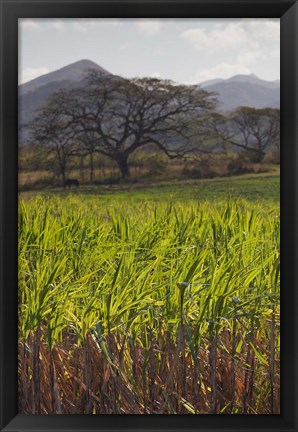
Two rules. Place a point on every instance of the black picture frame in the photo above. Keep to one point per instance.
(11, 11)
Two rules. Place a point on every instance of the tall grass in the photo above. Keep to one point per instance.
(148, 307)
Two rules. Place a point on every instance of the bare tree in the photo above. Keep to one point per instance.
(253, 130)
(114, 116)
(53, 131)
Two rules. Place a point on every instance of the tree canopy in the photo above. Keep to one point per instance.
(114, 116)
(254, 130)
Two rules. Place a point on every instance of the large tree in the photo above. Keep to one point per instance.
(253, 130)
(55, 134)
(114, 116)
(58, 129)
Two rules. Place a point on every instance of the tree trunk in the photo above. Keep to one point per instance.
(255, 155)
(62, 165)
(81, 169)
(63, 174)
(124, 168)
(91, 167)
(259, 156)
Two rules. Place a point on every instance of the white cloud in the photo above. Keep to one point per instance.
(29, 74)
(246, 34)
(29, 24)
(155, 75)
(262, 28)
(149, 26)
(103, 21)
(222, 70)
(248, 57)
(275, 53)
(82, 24)
(79, 27)
(56, 25)
(230, 37)
(42, 24)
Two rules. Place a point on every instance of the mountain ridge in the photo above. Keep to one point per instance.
(72, 72)
(244, 90)
(240, 90)
(249, 78)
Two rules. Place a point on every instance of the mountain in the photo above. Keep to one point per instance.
(34, 94)
(244, 90)
(253, 79)
(210, 82)
(240, 90)
(72, 73)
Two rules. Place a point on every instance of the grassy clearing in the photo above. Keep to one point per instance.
(138, 302)
(252, 187)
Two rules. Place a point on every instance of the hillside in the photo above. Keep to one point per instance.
(244, 90)
(72, 73)
(34, 94)
(240, 90)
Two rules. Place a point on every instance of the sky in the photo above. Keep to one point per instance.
(186, 51)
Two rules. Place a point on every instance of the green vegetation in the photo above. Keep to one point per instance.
(250, 186)
(113, 118)
(161, 300)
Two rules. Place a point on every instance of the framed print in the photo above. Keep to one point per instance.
(148, 215)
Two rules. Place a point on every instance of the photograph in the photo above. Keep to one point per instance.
(149, 216)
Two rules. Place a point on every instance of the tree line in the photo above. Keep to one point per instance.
(115, 117)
